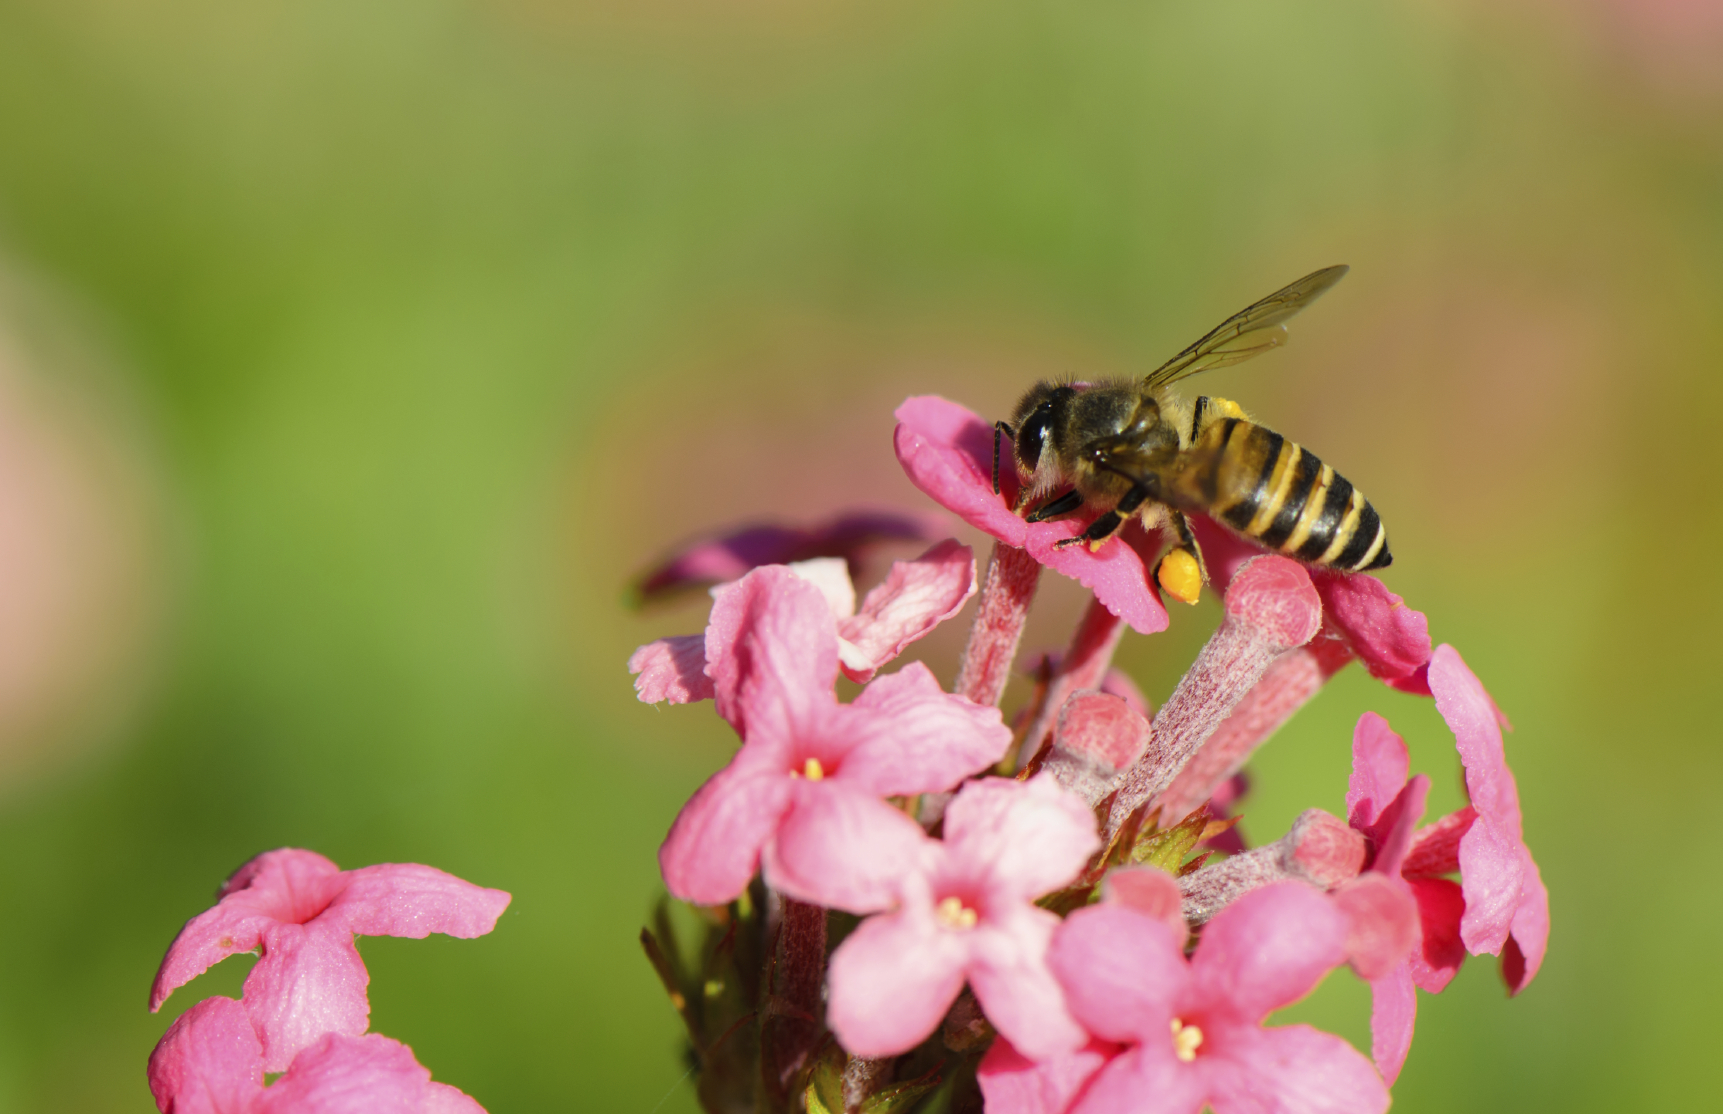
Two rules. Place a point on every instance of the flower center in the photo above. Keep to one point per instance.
(952, 913)
(811, 769)
(1186, 1040)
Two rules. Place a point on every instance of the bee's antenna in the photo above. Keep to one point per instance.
(998, 428)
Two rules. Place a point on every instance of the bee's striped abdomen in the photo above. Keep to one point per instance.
(1275, 491)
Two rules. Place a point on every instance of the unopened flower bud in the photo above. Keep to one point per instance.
(1319, 849)
(1097, 737)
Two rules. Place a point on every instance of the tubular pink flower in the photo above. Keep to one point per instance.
(1011, 1083)
(303, 911)
(729, 556)
(964, 911)
(915, 597)
(1507, 906)
(1271, 608)
(947, 452)
(1500, 898)
(1085, 665)
(1192, 1031)
(211, 1062)
(806, 759)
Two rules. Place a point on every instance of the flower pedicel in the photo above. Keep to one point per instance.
(890, 808)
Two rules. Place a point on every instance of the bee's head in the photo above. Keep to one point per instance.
(1036, 415)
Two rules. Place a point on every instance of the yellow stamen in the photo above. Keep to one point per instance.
(1180, 576)
(952, 913)
(811, 769)
(1186, 1040)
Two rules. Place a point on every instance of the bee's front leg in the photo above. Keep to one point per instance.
(1053, 508)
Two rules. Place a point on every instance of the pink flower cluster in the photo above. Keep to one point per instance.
(304, 1011)
(1028, 889)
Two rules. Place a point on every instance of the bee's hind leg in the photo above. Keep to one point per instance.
(1181, 570)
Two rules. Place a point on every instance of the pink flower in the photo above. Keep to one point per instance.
(915, 597)
(807, 761)
(947, 451)
(962, 909)
(303, 912)
(1191, 1031)
(729, 556)
(1498, 906)
(211, 1062)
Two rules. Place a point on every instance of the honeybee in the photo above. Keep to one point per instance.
(1132, 448)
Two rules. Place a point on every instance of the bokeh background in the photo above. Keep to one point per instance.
(355, 353)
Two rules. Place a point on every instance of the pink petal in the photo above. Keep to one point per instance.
(1013, 1084)
(309, 981)
(1009, 974)
(892, 980)
(351, 1075)
(1149, 890)
(286, 885)
(906, 735)
(947, 452)
(843, 849)
(1380, 763)
(1492, 859)
(1529, 935)
(1438, 958)
(1436, 849)
(1384, 918)
(714, 846)
(208, 1062)
(1269, 948)
(672, 669)
(915, 597)
(1027, 838)
(1391, 835)
(831, 575)
(1118, 574)
(440, 1098)
(1393, 1010)
(1122, 971)
(406, 899)
(772, 654)
(1293, 1069)
(1471, 716)
(1391, 639)
(731, 555)
(1146, 1079)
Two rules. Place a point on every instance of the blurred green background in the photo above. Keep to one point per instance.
(356, 353)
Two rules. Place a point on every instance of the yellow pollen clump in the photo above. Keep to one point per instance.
(1186, 1040)
(811, 769)
(952, 913)
(1181, 576)
(1226, 407)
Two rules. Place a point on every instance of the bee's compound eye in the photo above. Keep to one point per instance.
(1032, 435)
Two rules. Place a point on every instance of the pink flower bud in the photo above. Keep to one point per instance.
(1097, 736)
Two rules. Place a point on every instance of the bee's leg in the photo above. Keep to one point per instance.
(1053, 508)
(1099, 531)
(1181, 570)
(998, 428)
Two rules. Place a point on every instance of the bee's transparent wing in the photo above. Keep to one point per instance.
(1249, 332)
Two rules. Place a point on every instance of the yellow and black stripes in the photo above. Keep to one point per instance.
(1282, 495)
